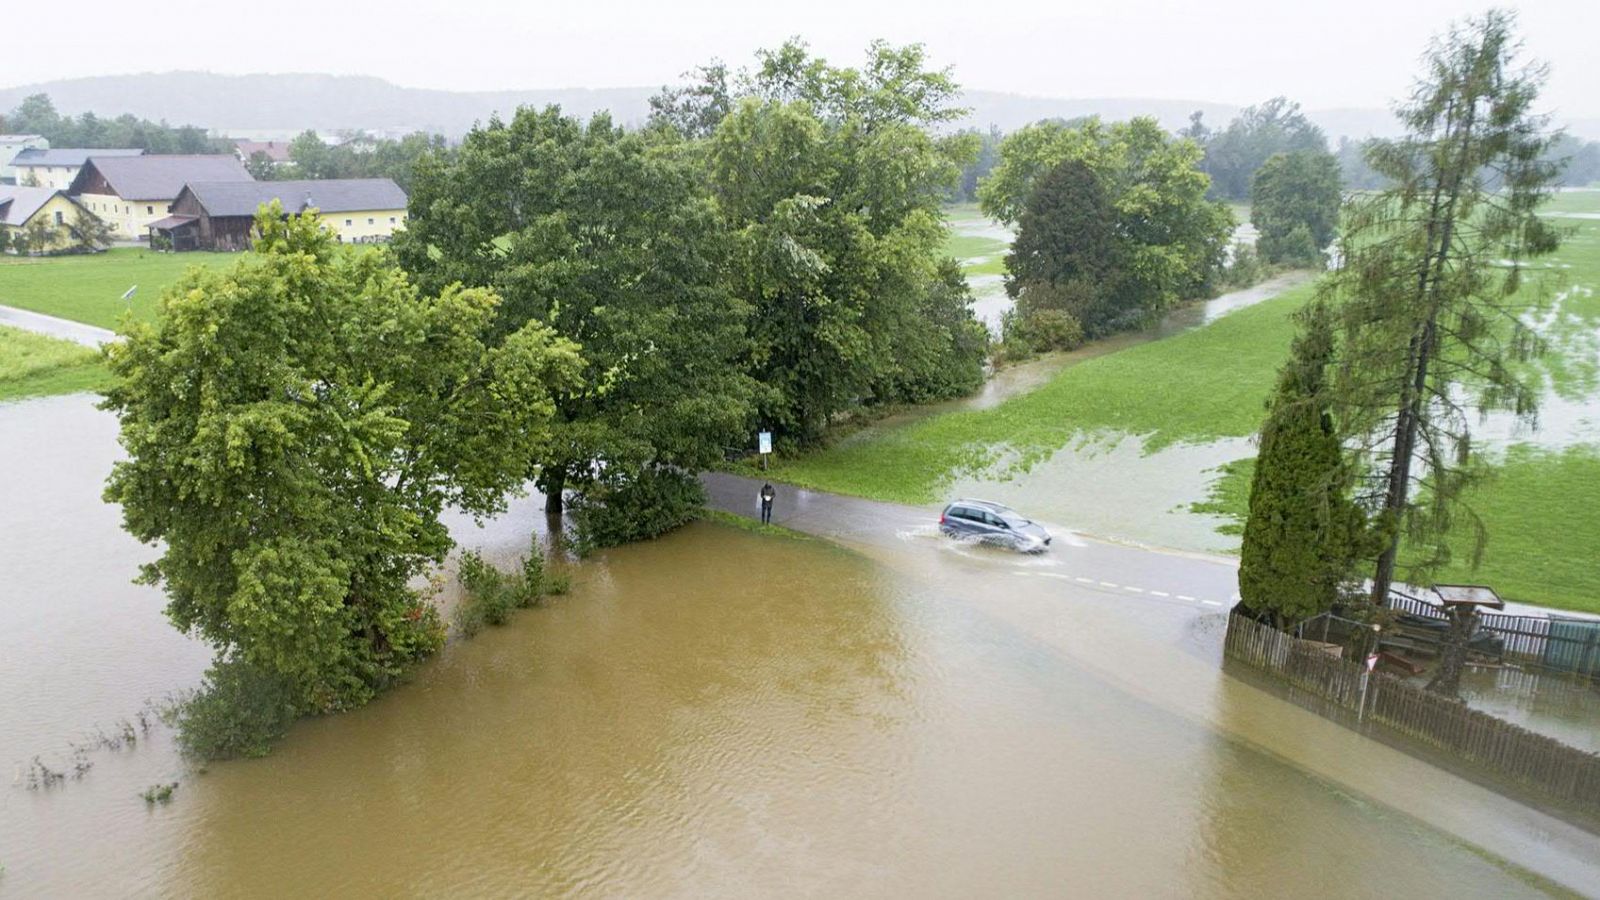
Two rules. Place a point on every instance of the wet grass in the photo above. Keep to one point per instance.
(90, 288)
(1542, 513)
(32, 365)
(1197, 386)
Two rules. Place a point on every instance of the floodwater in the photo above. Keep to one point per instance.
(720, 713)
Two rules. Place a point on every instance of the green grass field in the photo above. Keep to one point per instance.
(89, 288)
(32, 365)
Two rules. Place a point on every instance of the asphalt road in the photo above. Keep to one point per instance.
(51, 326)
(1206, 583)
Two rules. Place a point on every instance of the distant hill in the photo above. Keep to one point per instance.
(280, 105)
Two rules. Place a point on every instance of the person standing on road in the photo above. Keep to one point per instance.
(767, 495)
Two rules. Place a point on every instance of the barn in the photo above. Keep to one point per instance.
(219, 215)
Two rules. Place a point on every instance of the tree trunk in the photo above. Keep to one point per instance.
(1453, 653)
(555, 482)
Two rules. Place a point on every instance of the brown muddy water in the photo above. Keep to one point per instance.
(717, 713)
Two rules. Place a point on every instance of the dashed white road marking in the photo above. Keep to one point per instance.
(1085, 580)
(1210, 602)
(1133, 589)
(1186, 597)
(1160, 594)
(1109, 584)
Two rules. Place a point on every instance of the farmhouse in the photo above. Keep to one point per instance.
(276, 152)
(131, 192)
(11, 145)
(29, 211)
(56, 168)
(218, 215)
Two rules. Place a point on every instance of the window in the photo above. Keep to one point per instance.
(149, 210)
(370, 221)
(349, 222)
(391, 220)
(59, 219)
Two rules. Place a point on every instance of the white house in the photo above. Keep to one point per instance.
(10, 146)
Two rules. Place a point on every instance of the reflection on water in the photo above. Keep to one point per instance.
(714, 713)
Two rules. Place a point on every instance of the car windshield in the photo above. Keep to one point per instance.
(1014, 520)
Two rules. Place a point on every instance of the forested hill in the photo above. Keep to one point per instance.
(286, 104)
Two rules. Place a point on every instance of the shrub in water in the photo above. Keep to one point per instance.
(239, 710)
(491, 594)
(636, 506)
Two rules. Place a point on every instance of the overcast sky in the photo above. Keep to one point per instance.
(1343, 53)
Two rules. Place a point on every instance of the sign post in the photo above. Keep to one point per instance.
(1366, 678)
(764, 446)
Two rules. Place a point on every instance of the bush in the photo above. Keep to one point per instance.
(626, 507)
(1027, 331)
(1245, 268)
(491, 594)
(1296, 248)
(239, 710)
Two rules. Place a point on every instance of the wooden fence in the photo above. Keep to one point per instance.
(1510, 751)
(1561, 645)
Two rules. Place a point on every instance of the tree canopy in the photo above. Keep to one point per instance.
(611, 240)
(1167, 240)
(294, 424)
(1259, 132)
(831, 185)
(1294, 204)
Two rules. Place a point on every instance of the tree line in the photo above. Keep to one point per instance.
(36, 114)
(359, 157)
(602, 310)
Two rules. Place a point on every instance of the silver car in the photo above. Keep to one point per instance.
(992, 523)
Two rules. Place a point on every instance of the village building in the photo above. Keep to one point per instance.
(276, 152)
(219, 215)
(11, 145)
(57, 168)
(22, 208)
(131, 192)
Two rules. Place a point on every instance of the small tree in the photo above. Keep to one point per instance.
(1303, 532)
(89, 232)
(1294, 204)
(39, 237)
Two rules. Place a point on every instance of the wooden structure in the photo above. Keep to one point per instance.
(220, 215)
(1345, 690)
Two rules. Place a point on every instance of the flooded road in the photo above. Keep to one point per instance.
(722, 713)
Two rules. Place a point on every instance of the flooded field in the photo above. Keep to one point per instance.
(721, 713)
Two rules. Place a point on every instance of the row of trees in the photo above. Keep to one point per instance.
(1367, 447)
(36, 114)
(312, 157)
(1579, 163)
(604, 311)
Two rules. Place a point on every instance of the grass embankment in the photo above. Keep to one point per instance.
(90, 288)
(1542, 510)
(1197, 386)
(32, 365)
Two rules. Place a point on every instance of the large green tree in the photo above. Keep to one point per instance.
(1294, 204)
(1260, 132)
(1303, 532)
(295, 424)
(1168, 240)
(611, 240)
(1432, 327)
(831, 183)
